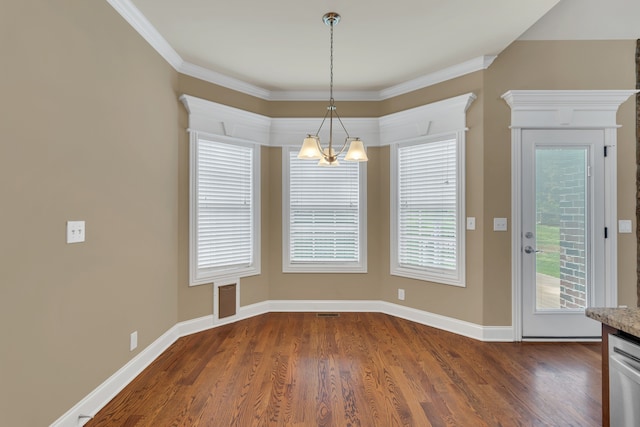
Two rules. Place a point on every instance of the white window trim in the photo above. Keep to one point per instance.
(322, 267)
(457, 276)
(199, 276)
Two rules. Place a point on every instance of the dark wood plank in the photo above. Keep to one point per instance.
(359, 370)
(606, 330)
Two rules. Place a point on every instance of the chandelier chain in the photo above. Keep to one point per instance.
(331, 66)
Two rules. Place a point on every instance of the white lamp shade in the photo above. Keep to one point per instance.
(356, 152)
(309, 149)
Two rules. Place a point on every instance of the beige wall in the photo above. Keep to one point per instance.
(92, 130)
(88, 132)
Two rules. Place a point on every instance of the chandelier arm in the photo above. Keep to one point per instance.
(324, 156)
(322, 124)
(342, 124)
(317, 137)
(344, 146)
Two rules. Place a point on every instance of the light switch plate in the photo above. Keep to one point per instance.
(625, 226)
(471, 223)
(75, 231)
(499, 224)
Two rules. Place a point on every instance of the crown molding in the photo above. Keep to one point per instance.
(141, 24)
(323, 95)
(467, 67)
(222, 80)
(449, 73)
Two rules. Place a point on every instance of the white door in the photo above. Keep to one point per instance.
(563, 232)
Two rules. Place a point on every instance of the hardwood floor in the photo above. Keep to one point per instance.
(358, 369)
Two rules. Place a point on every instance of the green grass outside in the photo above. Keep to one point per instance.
(548, 241)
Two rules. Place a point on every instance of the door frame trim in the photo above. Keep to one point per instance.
(563, 109)
(516, 231)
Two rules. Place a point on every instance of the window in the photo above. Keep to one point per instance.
(225, 209)
(324, 216)
(427, 210)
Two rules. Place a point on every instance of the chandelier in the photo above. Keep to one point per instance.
(311, 146)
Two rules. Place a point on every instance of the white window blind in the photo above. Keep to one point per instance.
(224, 215)
(324, 224)
(428, 211)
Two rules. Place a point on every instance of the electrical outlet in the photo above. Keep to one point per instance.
(133, 341)
(75, 231)
(401, 294)
(499, 224)
(625, 226)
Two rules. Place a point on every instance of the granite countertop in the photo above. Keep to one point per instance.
(624, 319)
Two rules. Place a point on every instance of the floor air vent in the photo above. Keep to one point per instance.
(327, 314)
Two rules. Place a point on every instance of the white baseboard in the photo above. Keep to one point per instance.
(196, 325)
(316, 306)
(106, 391)
(254, 309)
(460, 327)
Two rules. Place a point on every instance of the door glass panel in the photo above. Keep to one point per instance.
(561, 228)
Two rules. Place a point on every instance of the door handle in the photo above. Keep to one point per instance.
(530, 250)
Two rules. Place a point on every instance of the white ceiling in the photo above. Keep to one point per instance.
(283, 45)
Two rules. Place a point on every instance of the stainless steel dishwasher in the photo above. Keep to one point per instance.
(624, 382)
